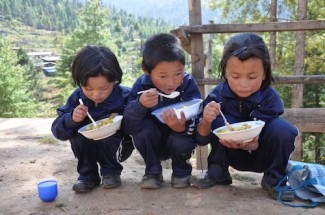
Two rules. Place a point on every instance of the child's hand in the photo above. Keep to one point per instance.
(79, 113)
(250, 146)
(211, 111)
(149, 98)
(170, 118)
(247, 146)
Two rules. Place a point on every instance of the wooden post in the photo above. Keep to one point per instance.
(299, 68)
(208, 61)
(297, 152)
(198, 59)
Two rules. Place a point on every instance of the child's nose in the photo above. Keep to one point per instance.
(243, 83)
(171, 82)
(96, 94)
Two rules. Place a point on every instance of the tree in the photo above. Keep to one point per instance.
(245, 10)
(93, 29)
(30, 74)
(15, 98)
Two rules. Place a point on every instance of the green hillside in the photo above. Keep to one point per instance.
(34, 24)
(26, 37)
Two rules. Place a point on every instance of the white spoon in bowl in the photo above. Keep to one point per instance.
(170, 96)
(226, 122)
(92, 120)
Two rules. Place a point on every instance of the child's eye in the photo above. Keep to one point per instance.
(162, 76)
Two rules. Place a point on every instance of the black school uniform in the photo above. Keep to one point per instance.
(155, 140)
(108, 152)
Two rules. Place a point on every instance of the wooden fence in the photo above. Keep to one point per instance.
(306, 119)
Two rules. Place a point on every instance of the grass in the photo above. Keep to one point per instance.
(240, 177)
(59, 205)
(48, 140)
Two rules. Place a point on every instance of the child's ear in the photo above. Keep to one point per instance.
(144, 69)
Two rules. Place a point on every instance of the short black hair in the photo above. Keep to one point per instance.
(245, 46)
(94, 60)
(161, 47)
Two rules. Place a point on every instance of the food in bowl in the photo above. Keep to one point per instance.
(244, 131)
(190, 108)
(238, 128)
(101, 123)
(107, 128)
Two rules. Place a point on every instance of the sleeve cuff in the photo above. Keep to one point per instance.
(202, 140)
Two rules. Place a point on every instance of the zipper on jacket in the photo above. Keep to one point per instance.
(240, 107)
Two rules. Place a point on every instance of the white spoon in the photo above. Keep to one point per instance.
(170, 96)
(226, 122)
(92, 120)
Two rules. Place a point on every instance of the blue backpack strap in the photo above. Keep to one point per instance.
(280, 189)
(284, 179)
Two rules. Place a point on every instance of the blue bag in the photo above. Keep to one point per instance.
(307, 181)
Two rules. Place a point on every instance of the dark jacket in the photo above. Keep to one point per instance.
(265, 104)
(64, 127)
(135, 112)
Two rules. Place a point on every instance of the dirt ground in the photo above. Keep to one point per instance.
(27, 156)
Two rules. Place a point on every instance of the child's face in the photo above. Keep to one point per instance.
(98, 88)
(244, 77)
(167, 76)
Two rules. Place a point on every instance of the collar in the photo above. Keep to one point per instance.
(145, 79)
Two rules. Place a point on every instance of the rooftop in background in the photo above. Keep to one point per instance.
(51, 58)
(35, 54)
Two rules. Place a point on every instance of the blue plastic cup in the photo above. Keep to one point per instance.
(47, 190)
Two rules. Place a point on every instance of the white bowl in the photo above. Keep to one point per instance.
(190, 108)
(104, 131)
(245, 135)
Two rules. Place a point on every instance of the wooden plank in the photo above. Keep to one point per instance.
(297, 152)
(299, 79)
(255, 27)
(306, 119)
